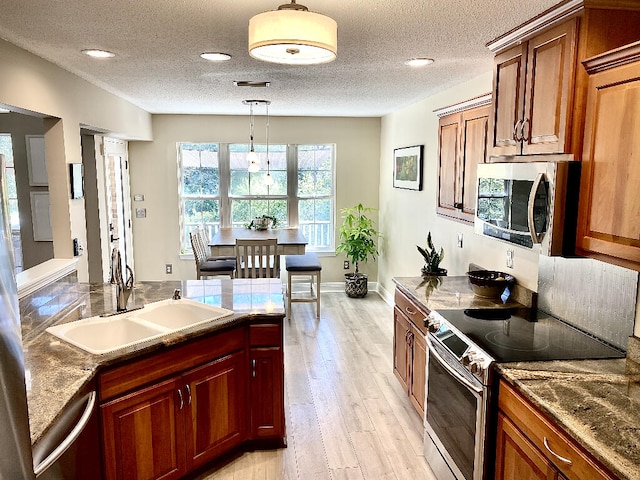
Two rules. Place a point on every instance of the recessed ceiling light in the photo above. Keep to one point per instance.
(98, 53)
(419, 62)
(216, 56)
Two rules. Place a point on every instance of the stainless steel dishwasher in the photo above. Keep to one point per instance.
(70, 450)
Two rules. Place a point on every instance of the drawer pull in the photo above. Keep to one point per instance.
(410, 311)
(562, 459)
(181, 399)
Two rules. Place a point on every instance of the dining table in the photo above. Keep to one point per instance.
(291, 241)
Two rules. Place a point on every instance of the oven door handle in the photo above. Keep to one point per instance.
(443, 363)
(537, 238)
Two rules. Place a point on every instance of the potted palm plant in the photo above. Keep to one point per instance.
(358, 242)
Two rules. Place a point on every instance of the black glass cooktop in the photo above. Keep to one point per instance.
(519, 335)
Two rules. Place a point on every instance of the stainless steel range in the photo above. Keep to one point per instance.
(463, 347)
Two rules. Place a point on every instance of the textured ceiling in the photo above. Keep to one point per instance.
(158, 42)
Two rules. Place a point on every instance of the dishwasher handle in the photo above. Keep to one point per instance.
(71, 438)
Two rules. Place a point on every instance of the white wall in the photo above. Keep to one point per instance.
(31, 84)
(153, 170)
(407, 216)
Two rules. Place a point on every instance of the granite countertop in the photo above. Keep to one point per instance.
(447, 293)
(56, 371)
(597, 402)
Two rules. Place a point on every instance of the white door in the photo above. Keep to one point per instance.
(118, 198)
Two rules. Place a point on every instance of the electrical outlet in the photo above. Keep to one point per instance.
(460, 240)
(168, 268)
(509, 258)
(346, 265)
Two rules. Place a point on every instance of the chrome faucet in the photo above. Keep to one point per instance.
(123, 289)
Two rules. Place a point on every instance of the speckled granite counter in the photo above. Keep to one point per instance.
(446, 293)
(596, 402)
(57, 371)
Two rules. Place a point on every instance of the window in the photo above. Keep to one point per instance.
(216, 189)
(6, 149)
(199, 188)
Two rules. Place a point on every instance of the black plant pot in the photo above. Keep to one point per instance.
(441, 272)
(356, 284)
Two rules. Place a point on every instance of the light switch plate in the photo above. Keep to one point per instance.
(509, 258)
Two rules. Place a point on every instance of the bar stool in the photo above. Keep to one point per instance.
(307, 265)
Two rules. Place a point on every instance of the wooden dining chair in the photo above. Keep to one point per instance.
(257, 258)
(205, 267)
(204, 241)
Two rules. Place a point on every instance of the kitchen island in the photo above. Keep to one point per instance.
(57, 371)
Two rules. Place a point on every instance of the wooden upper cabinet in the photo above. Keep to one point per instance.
(463, 145)
(532, 87)
(609, 215)
(539, 85)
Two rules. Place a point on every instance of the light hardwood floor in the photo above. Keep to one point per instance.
(347, 417)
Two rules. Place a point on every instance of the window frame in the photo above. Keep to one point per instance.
(225, 198)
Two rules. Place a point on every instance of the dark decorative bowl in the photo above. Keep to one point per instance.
(489, 283)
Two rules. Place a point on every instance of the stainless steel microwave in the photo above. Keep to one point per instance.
(530, 204)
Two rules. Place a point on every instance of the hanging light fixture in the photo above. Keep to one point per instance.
(268, 180)
(293, 35)
(253, 160)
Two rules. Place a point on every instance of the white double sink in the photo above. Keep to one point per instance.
(99, 335)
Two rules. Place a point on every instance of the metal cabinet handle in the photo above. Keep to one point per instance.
(410, 311)
(562, 459)
(457, 205)
(73, 436)
(522, 134)
(188, 388)
(516, 127)
(253, 368)
(181, 399)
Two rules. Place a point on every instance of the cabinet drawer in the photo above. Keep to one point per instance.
(134, 374)
(410, 310)
(265, 335)
(540, 430)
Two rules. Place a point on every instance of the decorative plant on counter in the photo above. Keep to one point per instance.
(358, 242)
(432, 258)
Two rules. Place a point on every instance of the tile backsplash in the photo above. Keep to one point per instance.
(596, 297)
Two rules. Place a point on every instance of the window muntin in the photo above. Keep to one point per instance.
(302, 193)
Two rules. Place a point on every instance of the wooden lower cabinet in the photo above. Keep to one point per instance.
(410, 350)
(143, 434)
(214, 411)
(530, 447)
(267, 399)
(169, 414)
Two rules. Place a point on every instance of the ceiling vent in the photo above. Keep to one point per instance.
(247, 83)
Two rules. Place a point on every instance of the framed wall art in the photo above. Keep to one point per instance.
(407, 167)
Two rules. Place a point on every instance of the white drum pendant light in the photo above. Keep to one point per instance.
(293, 35)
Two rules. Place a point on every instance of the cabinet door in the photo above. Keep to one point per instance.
(418, 370)
(449, 127)
(215, 406)
(401, 361)
(549, 82)
(474, 151)
(143, 434)
(508, 100)
(517, 458)
(267, 393)
(609, 218)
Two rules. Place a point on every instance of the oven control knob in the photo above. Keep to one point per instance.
(476, 367)
(433, 324)
(468, 358)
